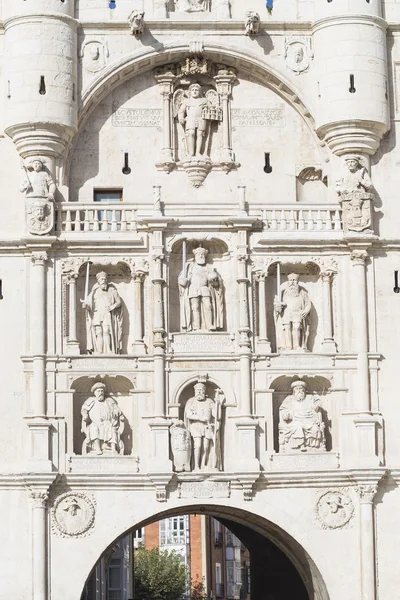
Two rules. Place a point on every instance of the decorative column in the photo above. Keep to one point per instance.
(327, 277)
(39, 427)
(246, 424)
(160, 464)
(138, 278)
(72, 337)
(264, 345)
(367, 541)
(39, 544)
(165, 77)
(70, 269)
(364, 422)
(224, 79)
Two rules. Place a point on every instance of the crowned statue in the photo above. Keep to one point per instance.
(301, 427)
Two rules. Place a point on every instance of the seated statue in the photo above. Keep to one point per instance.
(102, 423)
(301, 427)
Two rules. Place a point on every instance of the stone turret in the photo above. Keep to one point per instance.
(41, 78)
(349, 42)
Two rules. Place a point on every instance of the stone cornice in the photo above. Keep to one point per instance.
(211, 26)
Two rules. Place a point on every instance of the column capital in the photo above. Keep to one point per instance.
(359, 257)
(327, 275)
(39, 498)
(366, 493)
(139, 276)
(39, 258)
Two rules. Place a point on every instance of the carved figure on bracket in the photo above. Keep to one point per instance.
(192, 5)
(104, 317)
(292, 309)
(356, 196)
(201, 294)
(136, 21)
(39, 188)
(252, 23)
(203, 419)
(194, 115)
(301, 427)
(181, 444)
(102, 423)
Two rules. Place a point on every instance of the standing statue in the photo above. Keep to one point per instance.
(102, 423)
(104, 317)
(39, 189)
(38, 183)
(192, 5)
(201, 294)
(355, 194)
(203, 418)
(181, 444)
(292, 314)
(195, 112)
(300, 421)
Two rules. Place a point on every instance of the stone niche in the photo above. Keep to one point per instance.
(218, 259)
(119, 276)
(317, 390)
(119, 389)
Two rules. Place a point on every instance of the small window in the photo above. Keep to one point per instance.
(110, 220)
(113, 195)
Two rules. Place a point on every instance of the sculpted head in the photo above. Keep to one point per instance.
(39, 211)
(37, 165)
(334, 502)
(195, 90)
(99, 391)
(200, 255)
(293, 280)
(200, 391)
(299, 390)
(102, 280)
(353, 163)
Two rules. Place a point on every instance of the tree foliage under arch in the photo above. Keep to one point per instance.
(159, 575)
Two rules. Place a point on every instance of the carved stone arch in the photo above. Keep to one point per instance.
(273, 523)
(115, 384)
(220, 245)
(319, 384)
(146, 59)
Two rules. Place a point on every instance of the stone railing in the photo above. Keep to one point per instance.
(304, 218)
(79, 217)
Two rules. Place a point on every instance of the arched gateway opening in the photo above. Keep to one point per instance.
(278, 566)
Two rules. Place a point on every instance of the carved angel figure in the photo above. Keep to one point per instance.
(192, 5)
(194, 113)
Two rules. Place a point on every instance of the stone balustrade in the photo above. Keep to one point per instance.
(81, 217)
(302, 219)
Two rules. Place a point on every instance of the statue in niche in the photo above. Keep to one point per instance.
(195, 112)
(102, 423)
(181, 444)
(301, 427)
(292, 314)
(104, 317)
(192, 5)
(356, 197)
(201, 294)
(39, 188)
(203, 420)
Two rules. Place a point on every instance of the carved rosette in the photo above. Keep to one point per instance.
(73, 515)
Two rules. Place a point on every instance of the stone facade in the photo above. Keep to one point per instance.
(195, 156)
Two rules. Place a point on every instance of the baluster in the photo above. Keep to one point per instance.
(133, 220)
(274, 222)
(96, 226)
(319, 221)
(337, 221)
(123, 220)
(282, 222)
(114, 220)
(264, 216)
(77, 221)
(310, 221)
(292, 221)
(86, 225)
(302, 224)
(328, 222)
(68, 221)
(104, 221)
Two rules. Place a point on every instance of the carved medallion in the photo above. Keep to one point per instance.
(298, 53)
(73, 514)
(334, 509)
(94, 54)
(39, 216)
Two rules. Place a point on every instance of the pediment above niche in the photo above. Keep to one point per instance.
(197, 117)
